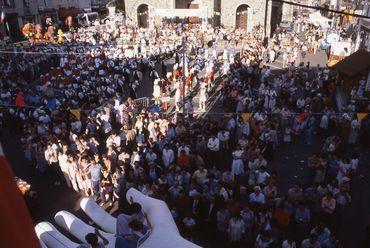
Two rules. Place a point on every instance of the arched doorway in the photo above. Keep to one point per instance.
(242, 16)
(276, 15)
(193, 5)
(143, 16)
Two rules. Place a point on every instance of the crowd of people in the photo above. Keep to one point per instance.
(73, 105)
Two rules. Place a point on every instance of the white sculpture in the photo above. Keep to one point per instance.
(164, 231)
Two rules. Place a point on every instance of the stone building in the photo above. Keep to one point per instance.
(17, 13)
(229, 13)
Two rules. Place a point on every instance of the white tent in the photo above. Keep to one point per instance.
(317, 19)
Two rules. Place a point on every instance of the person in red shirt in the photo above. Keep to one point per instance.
(19, 99)
(183, 160)
(282, 217)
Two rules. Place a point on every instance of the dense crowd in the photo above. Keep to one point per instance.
(84, 129)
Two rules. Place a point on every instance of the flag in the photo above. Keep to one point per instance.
(361, 116)
(2, 16)
(76, 113)
(302, 116)
(16, 222)
(246, 117)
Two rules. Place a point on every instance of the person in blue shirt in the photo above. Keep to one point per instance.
(322, 232)
(302, 215)
(139, 231)
(124, 220)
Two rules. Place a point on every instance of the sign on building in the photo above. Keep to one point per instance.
(171, 13)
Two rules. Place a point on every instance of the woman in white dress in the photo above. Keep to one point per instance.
(237, 167)
(73, 172)
(236, 229)
(156, 91)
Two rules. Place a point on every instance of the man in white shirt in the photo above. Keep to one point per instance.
(62, 158)
(151, 156)
(257, 196)
(257, 163)
(104, 118)
(183, 147)
(301, 103)
(52, 159)
(167, 156)
(200, 175)
(262, 175)
(213, 146)
(113, 140)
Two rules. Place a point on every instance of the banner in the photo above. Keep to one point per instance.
(361, 116)
(76, 113)
(171, 13)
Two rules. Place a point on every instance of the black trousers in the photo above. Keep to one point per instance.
(55, 173)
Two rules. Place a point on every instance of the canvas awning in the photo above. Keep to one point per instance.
(319, 20)
(354, 64)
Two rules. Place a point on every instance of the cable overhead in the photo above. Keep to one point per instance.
(321, 8)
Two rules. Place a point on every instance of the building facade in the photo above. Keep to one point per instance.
(57, 4)
(17, 13)
(229, 13)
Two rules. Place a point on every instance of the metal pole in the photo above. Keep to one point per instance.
(265, 26)
(183, 66)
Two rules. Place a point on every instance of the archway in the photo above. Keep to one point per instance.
(143, 16)
(276, 15)
(242, 16)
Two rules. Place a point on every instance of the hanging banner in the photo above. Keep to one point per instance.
(76, 113)
(361, 116)
(171, 13)
(246, 117)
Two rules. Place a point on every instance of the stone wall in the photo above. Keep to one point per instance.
(287, 13)
(256, 14)
(132, 6)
